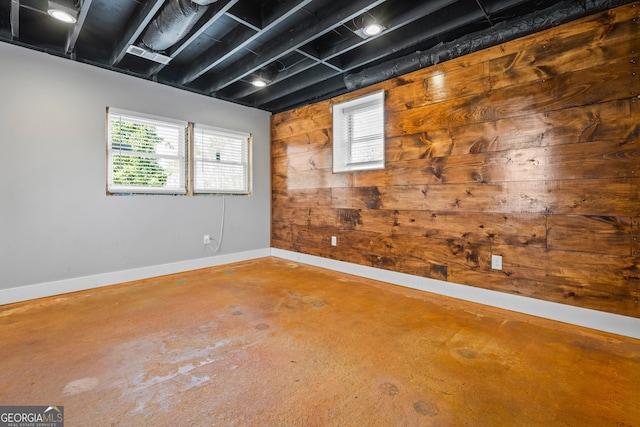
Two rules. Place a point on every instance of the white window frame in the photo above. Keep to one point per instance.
(179, 156)
(343, 139)
(238, 163)
(240, 144)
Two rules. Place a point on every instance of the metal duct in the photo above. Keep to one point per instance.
(173, 22)
(500, 33)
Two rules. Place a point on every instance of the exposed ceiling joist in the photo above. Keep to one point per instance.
(302, 33)
(208, 63)
(335, 51)
(15, 19)
(77, 28)
(308, 50)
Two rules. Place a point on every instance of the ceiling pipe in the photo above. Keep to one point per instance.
(173, 22)
(505, 31)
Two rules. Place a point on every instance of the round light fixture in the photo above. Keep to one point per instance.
(61, 15)
(373, 29)
(259, 83)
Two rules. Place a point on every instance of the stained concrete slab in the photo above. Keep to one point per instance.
(270, 342)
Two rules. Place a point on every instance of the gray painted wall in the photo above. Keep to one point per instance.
(56, 221)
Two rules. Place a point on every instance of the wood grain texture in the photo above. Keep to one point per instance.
(529, 150)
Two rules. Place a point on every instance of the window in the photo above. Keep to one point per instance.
(154, 155)
(358, 133)
(146, 155)
(221, 161)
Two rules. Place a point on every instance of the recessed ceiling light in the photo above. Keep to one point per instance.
(63, 10)
(264, 77)
(373, 29)
(62, 15)
(370, 30)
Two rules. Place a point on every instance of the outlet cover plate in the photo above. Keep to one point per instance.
(496, 262)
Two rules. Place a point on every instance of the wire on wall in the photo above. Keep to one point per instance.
(217, 248)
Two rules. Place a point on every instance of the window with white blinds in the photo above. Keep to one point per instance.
(220, 161)
(146, 154)
(154, 155)
(358, 134)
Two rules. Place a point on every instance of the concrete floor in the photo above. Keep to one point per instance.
(274, 343)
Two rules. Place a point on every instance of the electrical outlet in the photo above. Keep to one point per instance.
(496, 262)
(334, 241)
(207, 239)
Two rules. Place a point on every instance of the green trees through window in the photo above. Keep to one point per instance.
(135, 169)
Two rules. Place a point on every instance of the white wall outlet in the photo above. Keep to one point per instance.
(334, 241)
(207, 239)
(496, 262)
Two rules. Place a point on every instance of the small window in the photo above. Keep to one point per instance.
(358, 133)
(221, 161)
(145, 154)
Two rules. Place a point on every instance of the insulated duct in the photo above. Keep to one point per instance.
(173, 22)
(505, 31)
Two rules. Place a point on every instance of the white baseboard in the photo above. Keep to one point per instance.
(607, 322)
(593, 319)
(41, 290)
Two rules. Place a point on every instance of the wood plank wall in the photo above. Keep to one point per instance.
(529, 150)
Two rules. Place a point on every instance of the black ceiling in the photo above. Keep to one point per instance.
(308, 49)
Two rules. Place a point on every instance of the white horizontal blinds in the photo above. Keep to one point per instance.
(365, 132)
(221, 161)
(146, 154)
(358, 133)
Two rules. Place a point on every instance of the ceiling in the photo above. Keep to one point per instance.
(307, 50)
